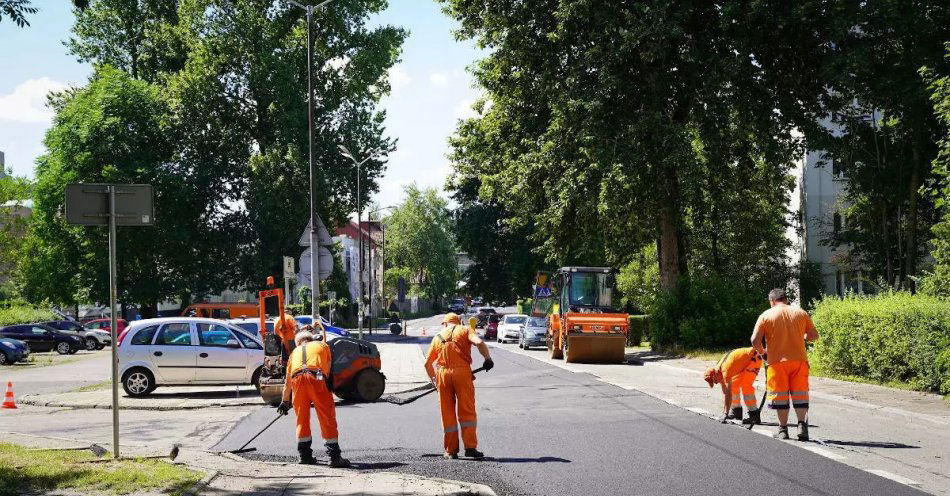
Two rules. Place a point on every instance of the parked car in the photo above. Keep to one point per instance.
(457, 306)
(106, 325)
(481, 315)
(95, 339)
(510, 327)
(252, 325)
(491, 326)
(42, 337)
(533, 333)
(13, 350)
(308, 320)
(187, 351)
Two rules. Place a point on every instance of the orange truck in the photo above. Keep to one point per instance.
(583, 323)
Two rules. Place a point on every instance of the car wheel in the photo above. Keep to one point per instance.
(4, 359)
(138, 382)
(63, 348)
(256, 379)
(100, 346)
(92, 344)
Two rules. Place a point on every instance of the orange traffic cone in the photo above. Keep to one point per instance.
(8, 401)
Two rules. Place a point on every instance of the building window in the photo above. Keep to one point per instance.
(836, 168)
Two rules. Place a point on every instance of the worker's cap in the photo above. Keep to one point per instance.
(302, 336)
(711, 377)
(451, 318)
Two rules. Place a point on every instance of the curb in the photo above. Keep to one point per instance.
(33, 400)
(199, 486)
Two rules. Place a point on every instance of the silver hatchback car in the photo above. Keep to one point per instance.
(187, 351)
(533, 333)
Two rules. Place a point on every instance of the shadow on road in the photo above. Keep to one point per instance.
(202, 395)
(376, 465)
(870, 444)
(543, 459)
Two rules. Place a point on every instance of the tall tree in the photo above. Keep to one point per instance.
(14, 191)
(418, 238)
(619, 124)
(17, 11)
(937, 282)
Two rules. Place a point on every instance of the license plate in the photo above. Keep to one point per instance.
(597, 328)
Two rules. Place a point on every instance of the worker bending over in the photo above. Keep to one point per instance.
(736, 373)
(451, 349)
(286, 328)
(785, 329)
(308, 378)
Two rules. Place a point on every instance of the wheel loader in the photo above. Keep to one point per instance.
(583, 325)
(355, 373)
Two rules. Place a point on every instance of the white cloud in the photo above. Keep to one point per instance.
(398, 78)
(438, 79)
(27, 102)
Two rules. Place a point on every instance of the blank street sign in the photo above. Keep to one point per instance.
(88, 204)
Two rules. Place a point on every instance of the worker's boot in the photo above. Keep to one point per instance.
(474, 453)
(306, 454)
(336, 456)
(754, 418)
(736, 413)
(803, 430)
(782, 433)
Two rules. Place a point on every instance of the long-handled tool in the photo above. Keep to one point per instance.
(764, 395)
(245, 449)
(392, 398)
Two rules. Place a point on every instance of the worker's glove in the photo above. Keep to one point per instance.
(488, 364)
(283, 408)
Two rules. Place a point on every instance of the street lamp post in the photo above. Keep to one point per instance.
(359, 223)
(314, 234)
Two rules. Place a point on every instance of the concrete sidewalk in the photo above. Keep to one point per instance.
(227, 474)
(901, 435)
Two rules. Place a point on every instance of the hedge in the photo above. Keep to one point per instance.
(638, 328)
(21, 313)
(891, 337)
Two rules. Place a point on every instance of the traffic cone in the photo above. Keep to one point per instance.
(8, 401)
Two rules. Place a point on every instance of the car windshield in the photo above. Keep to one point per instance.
(516, 319)
(537, 322)
(590, 289)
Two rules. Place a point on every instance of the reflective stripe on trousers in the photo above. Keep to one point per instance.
(457, 402)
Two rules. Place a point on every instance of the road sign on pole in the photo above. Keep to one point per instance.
(112, 205)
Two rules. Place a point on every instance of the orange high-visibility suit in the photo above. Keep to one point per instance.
(451, 349)
(307, 371)
(785, 329)
(286, 329)
(739, 369)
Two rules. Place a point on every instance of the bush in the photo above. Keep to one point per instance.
(638, 328)
(888, 337)
(12, 313)
(706, 312)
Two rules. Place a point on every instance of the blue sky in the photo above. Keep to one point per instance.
(431, 89)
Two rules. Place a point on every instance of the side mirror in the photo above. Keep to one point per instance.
(233, 343)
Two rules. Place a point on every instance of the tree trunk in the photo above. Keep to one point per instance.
(910, 253)
(670, 245)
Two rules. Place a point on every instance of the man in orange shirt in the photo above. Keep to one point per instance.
(286, 329)
(785, 330)
(736, 373)
(451, 349)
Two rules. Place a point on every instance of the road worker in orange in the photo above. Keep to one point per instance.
(451, 350)
(309, 381)
(785, 329)
(286, 328)
(736, 373)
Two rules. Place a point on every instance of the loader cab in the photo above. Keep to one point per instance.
(585, 290)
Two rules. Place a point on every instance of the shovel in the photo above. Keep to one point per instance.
(245, 449)
(392, 398)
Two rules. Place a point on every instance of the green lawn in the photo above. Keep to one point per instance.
(27, 470)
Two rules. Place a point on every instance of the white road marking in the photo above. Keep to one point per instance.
(893, 477)
(823, 452)
(698, 410)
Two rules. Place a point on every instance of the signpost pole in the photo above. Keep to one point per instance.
(113, 330)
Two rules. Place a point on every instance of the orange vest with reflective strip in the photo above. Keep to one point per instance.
(738, 361)
(455, 349)
(317, 357)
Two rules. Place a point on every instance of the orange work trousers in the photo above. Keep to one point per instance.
(742, 386)
(457, 393)
(307, 390)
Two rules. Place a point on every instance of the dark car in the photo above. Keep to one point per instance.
(457, 306)
(491, 326)
(481, 316)
(95, 339)
(13, 350)
(42, 337)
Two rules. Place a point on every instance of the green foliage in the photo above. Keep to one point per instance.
(638, 329)
(639, 280)
(418, 239)
(937, 282)
(888, 337)
(809, 283)
(13, 229)
(14, 312)
(706, 312)
(305, 296)
(16, 10)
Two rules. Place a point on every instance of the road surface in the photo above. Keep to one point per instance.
(548, 431)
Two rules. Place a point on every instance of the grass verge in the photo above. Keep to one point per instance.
(98, 386)
(25, 470)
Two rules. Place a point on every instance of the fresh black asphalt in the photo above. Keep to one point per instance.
(548, 431)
